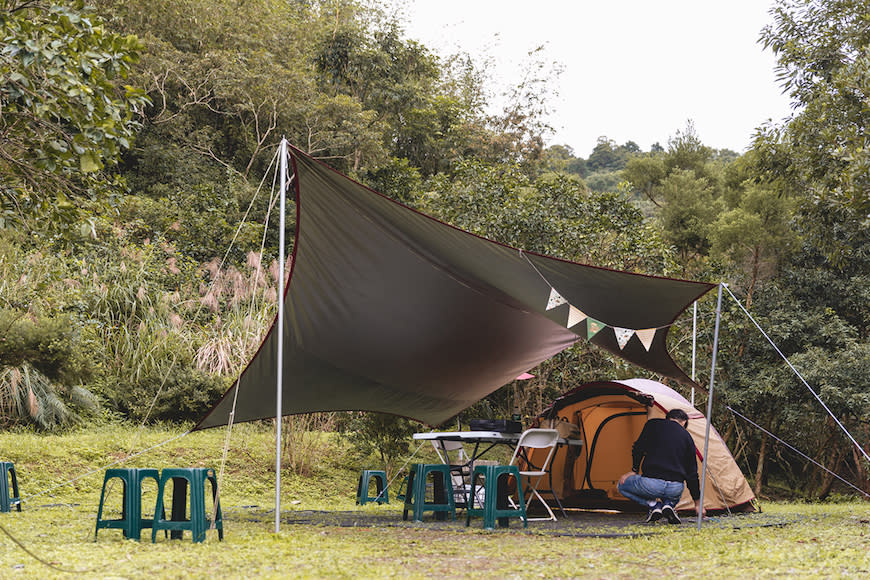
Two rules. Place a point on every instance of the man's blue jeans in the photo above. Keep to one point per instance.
(647, 491)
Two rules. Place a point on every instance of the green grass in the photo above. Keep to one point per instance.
(57, 525)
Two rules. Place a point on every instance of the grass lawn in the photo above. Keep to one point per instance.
(60, 477)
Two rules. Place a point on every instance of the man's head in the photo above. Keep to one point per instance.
(679, 416)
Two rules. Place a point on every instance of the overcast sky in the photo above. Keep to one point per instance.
(632, 69)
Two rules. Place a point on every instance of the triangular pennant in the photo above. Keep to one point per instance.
(623, 335)
(646, 337)
(555, 299)
(575, 316)
(593, 327)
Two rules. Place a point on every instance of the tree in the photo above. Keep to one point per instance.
(608, 156)
(554, 214)
(645, 174)
(809, 175)
(686, 152)
(817, 315)
(65, 117)
(386, 435)
(755, 234)
(688, 210)
(519, 131)
(605, 164)
(823, 62)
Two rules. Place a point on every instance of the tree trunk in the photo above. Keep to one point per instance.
(828, 478)
(756, 264)
(728, 435)
(860, 471)
(759, 471)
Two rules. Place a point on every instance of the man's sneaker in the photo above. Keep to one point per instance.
(654, 515)
(671, 514)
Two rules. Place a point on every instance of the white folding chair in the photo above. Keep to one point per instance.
(533, 472)
(459, 466)
(444, 447)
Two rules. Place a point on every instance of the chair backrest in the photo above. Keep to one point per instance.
(443, 449)
(536, 439)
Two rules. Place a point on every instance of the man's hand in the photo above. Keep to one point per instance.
(699, 509)
(625, 476)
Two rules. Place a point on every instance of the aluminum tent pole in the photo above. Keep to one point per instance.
(710, 404)
(282, 152)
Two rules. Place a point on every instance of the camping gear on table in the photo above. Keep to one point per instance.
(610, 416)
(497, 425)
(566, 429)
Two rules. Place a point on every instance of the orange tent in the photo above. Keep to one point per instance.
(610, 416)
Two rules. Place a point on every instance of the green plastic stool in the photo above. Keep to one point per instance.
(131, 522)
(199, 522)
(9, 487)
(415, 495)
(365, 480)
(495, 502)
(403, 489)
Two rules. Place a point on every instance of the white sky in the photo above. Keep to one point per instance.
(632, 69)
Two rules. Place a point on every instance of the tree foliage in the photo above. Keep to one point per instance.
(800, 197)
(554, 214)
(65, 114)
(823, 62)
(386, 436)
(811, 312)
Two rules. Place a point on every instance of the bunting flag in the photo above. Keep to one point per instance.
(646, 337)
(623, 335)
(555, 299)
(575, 316)
(593, 327)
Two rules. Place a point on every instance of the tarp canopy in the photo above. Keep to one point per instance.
(390, 310)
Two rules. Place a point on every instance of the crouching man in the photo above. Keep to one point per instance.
(666, 453)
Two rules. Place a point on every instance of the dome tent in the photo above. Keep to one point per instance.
(610, 416)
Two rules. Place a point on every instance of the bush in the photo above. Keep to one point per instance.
(388, 436)
(181, 393)
(27, 396)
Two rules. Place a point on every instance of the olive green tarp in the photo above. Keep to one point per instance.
(389, 310)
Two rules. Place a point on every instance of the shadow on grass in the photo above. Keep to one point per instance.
(576, 523)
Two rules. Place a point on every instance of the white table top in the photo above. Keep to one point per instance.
(483, 436)
(469, 435)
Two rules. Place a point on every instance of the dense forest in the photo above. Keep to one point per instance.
(138, 245)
